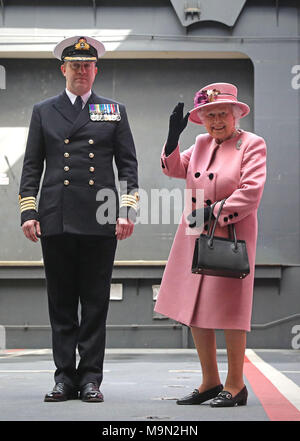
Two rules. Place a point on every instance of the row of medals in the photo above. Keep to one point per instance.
(95, 116)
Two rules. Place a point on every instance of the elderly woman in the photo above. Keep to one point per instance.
(225, 163)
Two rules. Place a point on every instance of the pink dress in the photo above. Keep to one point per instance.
(236, 170)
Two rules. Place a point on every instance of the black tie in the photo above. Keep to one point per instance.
(78, 104)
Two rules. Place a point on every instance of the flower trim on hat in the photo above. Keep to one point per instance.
(206, 96)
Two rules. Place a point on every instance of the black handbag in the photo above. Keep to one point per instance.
(219, 256)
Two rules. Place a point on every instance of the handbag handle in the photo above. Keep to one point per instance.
(210, 216)
(216, 219)
(231, 228)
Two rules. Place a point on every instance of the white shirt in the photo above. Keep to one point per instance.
(84, 97)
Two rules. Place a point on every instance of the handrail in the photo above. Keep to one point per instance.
(38, 263)
(175, 325)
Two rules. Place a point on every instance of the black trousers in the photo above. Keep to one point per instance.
(78, 269)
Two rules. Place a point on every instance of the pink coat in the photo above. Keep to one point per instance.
(237, 170)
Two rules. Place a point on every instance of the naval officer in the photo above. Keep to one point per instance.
(73, 138)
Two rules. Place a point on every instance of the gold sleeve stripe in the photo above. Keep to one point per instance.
(27, 203)
(130, 197)
(129, 204)
(135, 196)
(27, 208)
(28, 198)
(24, 204)
(128, 200)
(125, 200)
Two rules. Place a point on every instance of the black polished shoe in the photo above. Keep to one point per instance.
(90, 393)
(225, 399)
(198, 398)
(61, 392)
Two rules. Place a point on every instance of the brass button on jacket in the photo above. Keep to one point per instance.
(66, 168)
(66, 155)
(91, 182)
(91, 141)
(66, 141)
(91, 155)
(66, 182)
(92, 169)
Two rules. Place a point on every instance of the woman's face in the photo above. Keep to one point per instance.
(219, 121)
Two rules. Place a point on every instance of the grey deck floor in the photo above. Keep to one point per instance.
(138, 385)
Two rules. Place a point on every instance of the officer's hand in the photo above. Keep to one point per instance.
(124, 228)
(177, 124)
(32, 230)
(198, 217)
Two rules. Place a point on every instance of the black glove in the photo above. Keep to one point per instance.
(177, 124)
(196, 217)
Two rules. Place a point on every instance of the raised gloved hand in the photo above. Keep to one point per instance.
(197, 217)
(177, 124)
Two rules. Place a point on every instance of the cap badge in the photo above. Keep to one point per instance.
(82, 45)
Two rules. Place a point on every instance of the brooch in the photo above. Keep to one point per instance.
(238, 144)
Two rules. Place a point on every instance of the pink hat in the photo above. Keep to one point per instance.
(217, 93)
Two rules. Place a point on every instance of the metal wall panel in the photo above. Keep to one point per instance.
(131, 321)
(150, 89)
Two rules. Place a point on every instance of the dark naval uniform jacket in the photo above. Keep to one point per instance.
(78, 154)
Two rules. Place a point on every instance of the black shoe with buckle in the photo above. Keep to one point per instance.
(197, 397)
(225, 399)
(61, 392)
(90, 393)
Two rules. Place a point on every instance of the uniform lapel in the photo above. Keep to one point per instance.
(84, 116)
(64, 106)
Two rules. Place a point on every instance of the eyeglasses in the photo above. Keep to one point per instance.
(80, 65)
